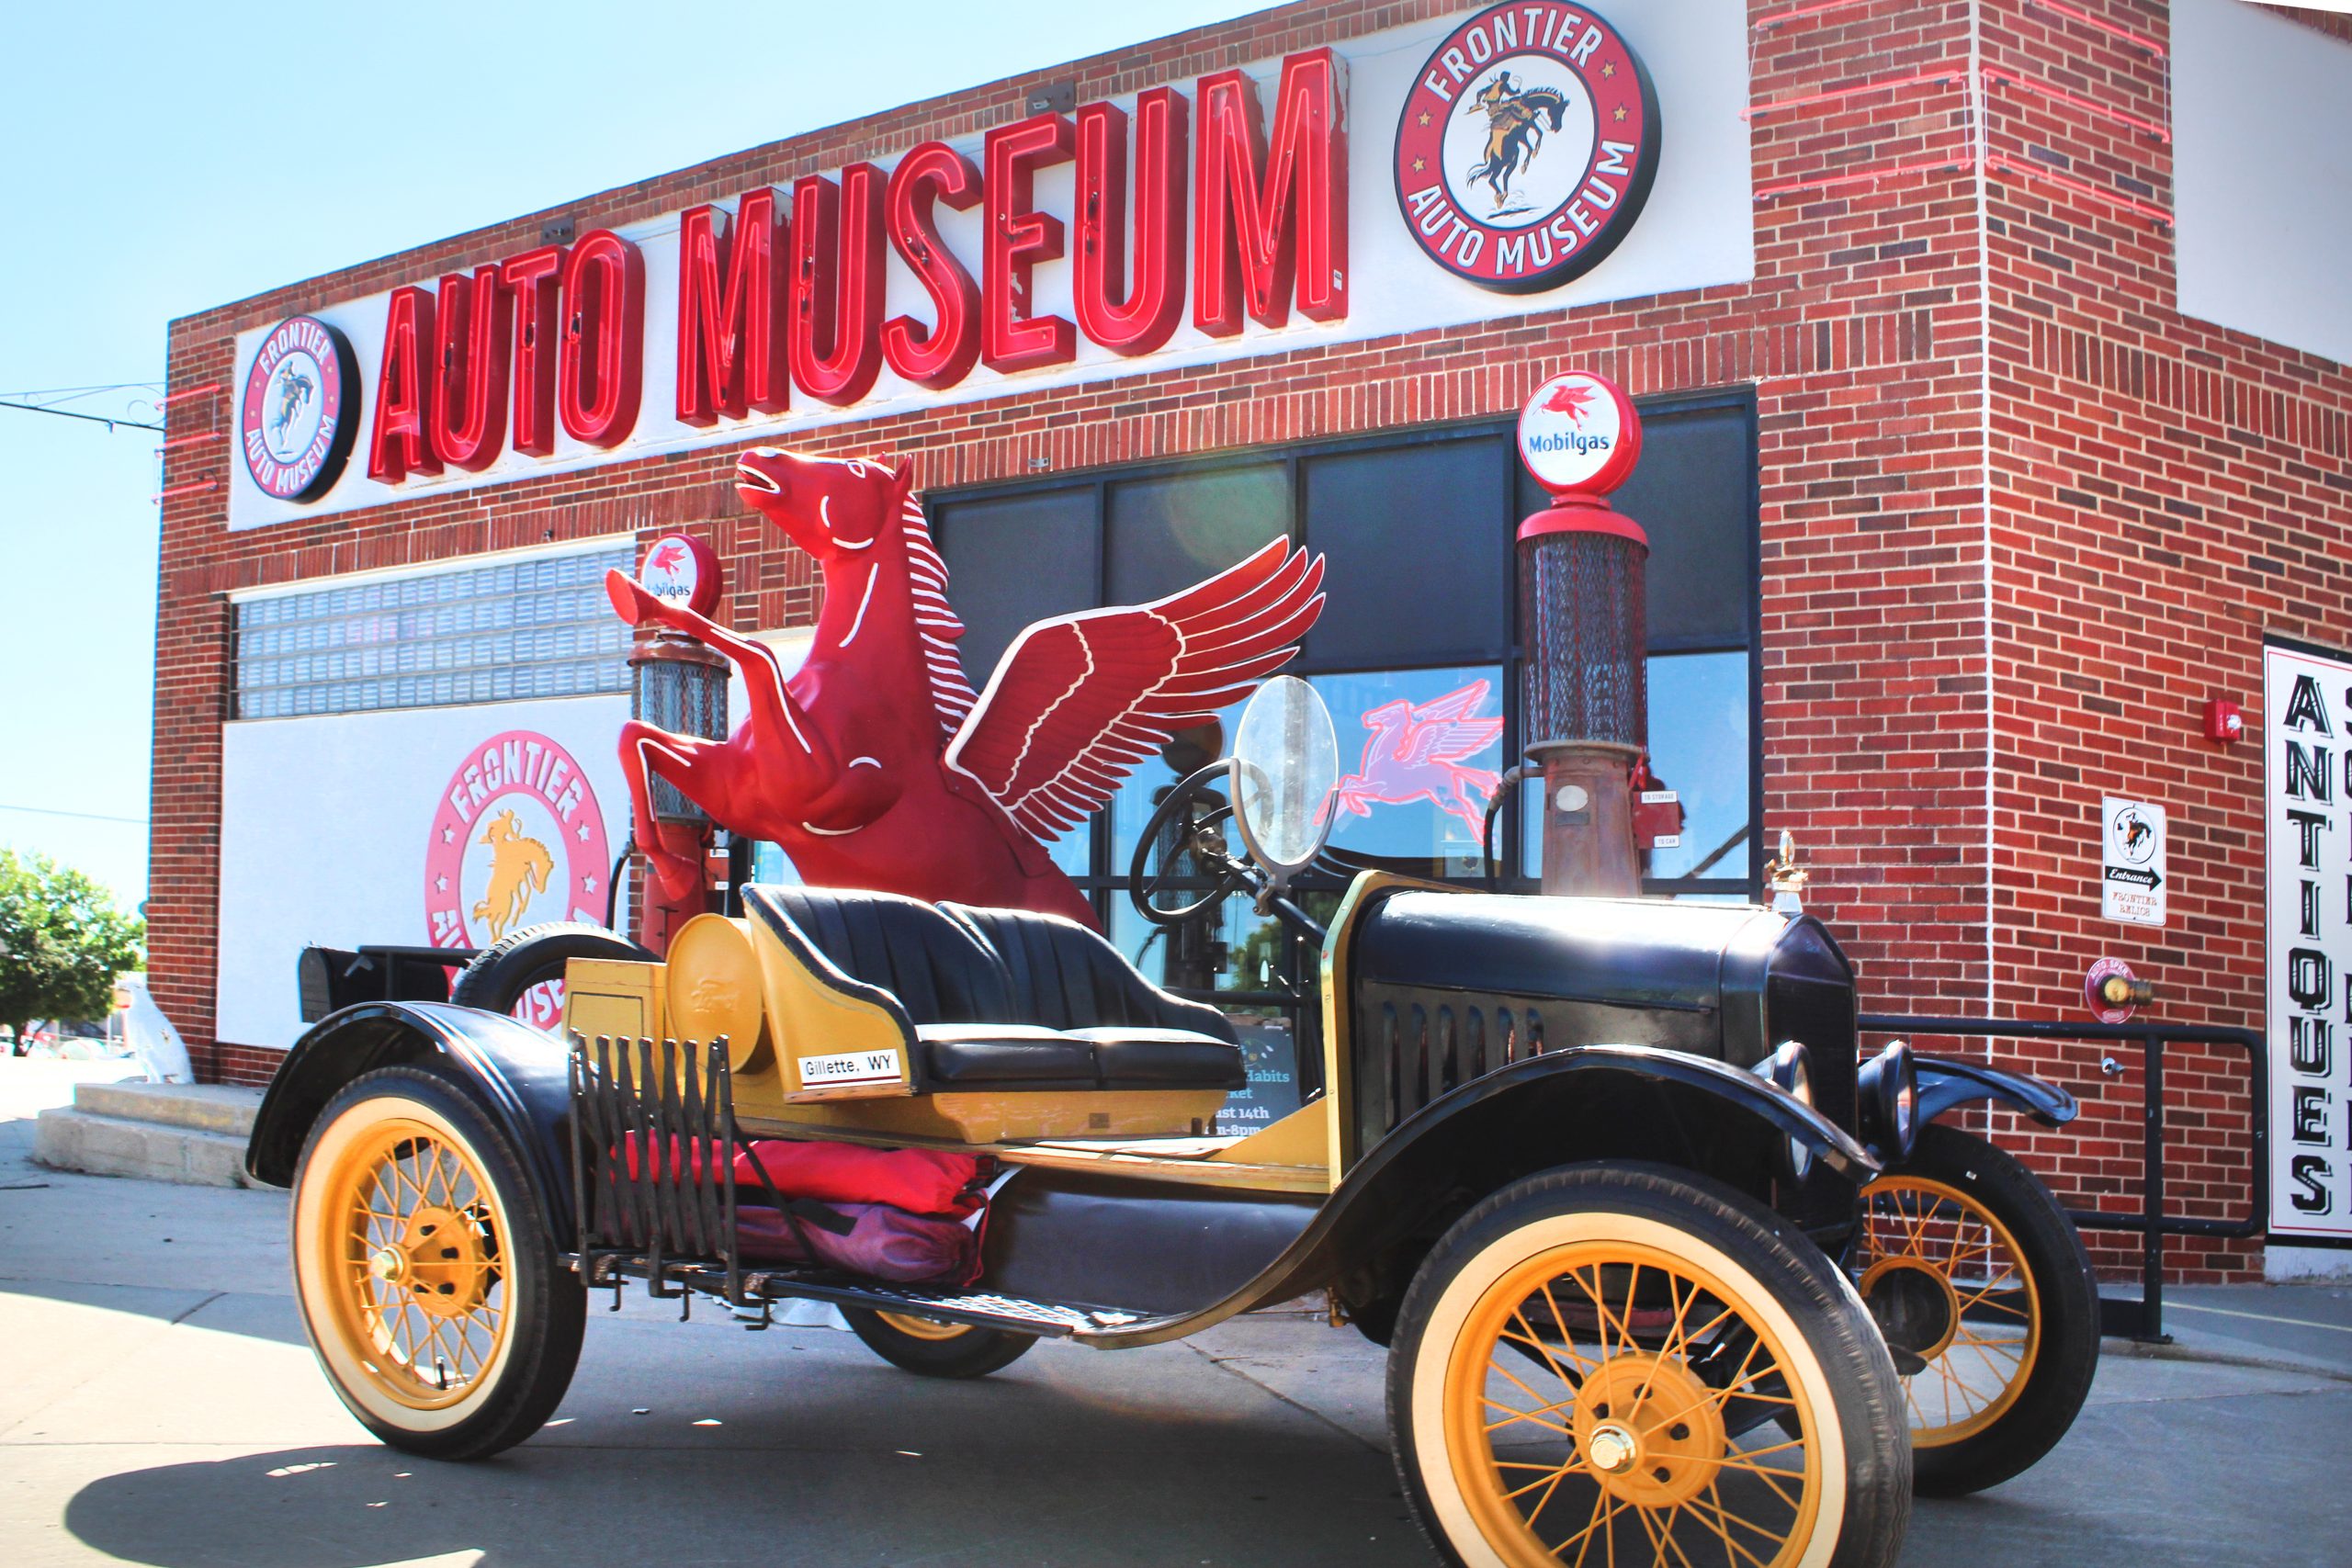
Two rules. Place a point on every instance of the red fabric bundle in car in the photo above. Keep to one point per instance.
(872, 1239)
(921, 1181)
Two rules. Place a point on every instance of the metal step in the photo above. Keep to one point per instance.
(984, 1309)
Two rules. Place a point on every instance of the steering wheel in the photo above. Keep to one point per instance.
(1184, 843)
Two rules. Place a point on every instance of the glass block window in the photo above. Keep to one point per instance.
(540, 628)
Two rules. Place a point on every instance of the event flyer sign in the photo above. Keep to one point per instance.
(2307, 710)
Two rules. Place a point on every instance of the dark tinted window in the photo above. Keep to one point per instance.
(1419, 544)
(1166, 535)
(1689, 494)
(1013, 560)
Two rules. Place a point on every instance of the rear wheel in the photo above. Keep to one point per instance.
(1987, 1301)
(933, 1349)
(426, 1270)
(1595, 1365)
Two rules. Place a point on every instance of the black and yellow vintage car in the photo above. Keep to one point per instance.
(1665, 1272)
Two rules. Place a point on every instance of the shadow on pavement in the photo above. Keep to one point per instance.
(255, 1316)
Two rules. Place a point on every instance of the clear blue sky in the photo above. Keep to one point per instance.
(164, 159)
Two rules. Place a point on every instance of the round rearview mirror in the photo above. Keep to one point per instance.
(1285, 766)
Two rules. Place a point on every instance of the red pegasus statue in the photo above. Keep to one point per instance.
(877, 765)
(1416, 752)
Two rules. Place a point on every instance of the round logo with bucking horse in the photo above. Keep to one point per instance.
(1528, 146)
(296, 421)
(518, 840)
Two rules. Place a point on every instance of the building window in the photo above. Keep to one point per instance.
(536, 627)
(1418, 632)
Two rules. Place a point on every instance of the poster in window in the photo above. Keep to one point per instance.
(2307, 705)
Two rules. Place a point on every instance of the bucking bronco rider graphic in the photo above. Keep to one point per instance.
(1516, 119)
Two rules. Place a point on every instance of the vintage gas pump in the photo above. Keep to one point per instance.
(679, 686)
(1584, 629)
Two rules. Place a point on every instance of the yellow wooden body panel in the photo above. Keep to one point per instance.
(614, 998)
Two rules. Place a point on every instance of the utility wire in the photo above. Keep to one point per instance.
(83, 815)
(92, 418)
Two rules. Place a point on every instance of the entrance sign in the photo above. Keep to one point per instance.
(2306, 707)
(2132, 885)
(1527, 147)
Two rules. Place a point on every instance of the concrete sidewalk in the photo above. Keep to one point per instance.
(159, 1405)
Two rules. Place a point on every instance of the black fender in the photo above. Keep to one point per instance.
(1479, 1134)
(520, 1077)
(1946, 1082)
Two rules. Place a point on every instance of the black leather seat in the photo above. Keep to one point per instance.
(1003, 999)
(1067, 978)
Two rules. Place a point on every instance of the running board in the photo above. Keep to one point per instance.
(982, 1309)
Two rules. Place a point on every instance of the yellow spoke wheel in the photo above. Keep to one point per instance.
(1629, 1365)
(929, 1329)
(1949, 1284)
(935, 1349)
(425, 1272)
(1979, 1283)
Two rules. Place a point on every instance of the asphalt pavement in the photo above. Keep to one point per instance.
(158, 1404)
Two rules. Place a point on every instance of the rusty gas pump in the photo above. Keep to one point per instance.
(679, 686)
(1584, 630)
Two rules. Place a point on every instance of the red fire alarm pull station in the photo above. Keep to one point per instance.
(1584, 626)
(2225, 720)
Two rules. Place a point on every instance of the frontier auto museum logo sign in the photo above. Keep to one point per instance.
(1527, 147)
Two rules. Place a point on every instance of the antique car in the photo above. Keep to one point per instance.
(1664, 1270)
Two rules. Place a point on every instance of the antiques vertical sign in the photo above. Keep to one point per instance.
(2306, 708)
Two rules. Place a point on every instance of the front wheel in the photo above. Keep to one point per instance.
(933, 1349)
(426, 1270)
(1988, 1303)
(1628, 1363)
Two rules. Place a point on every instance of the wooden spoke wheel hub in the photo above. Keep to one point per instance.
(1651, 1431)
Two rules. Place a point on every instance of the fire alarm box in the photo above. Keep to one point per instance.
(2225, 720)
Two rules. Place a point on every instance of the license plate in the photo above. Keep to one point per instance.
(849, 1068)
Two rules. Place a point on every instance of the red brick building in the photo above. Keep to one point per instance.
(1996, 422)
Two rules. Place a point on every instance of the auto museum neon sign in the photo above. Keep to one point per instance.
(1209, 197)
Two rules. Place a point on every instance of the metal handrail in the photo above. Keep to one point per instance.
(2152, 1223)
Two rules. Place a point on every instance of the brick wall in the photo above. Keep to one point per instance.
(2019, 518)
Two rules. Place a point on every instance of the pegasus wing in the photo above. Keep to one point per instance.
(1078, 701)
(1449, 740)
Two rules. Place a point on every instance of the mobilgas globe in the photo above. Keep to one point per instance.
(1574, 441)
(1578, 433)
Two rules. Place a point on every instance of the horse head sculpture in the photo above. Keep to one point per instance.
(876, 765)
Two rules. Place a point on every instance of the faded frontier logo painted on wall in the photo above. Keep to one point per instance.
(517, 840)
(1527, 147)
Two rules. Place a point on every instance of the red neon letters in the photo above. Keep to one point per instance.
(730, 333)
(1018, 238)
(555, 337)
(599, 373)
(536, 278)
(837, 284)
(1253, 233)
(402, 443)
(1154, 301)
(933, 172)
(469, 414)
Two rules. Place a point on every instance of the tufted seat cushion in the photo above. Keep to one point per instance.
(1005, 999)
(1061, 975)
(937, 967)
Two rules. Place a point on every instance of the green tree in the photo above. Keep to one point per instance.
(62, 942)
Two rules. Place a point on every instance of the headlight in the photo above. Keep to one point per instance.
(1792, 1069)
(1888, 1088)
